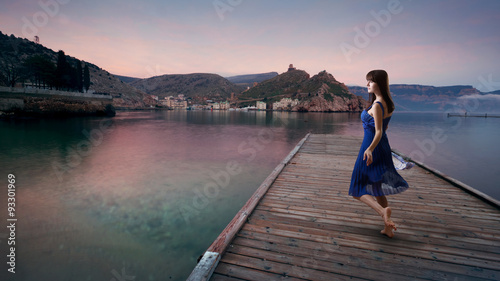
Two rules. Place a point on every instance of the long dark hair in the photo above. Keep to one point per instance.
(381, 78)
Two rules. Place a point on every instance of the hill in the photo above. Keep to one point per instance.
(127, 79)
(431, 98)
(198, 86)
(321, 92)
(15, 52)
(249, 79)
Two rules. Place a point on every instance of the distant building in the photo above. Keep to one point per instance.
(290, 67)
(285, 104)
(225, 105)
(175, 103)
(261, 105)
(221, 106)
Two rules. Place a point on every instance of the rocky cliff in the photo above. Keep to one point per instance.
(322, 92)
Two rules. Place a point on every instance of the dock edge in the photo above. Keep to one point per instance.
(210, 259)
(476, 193)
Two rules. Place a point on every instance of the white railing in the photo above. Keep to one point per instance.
(52, 92)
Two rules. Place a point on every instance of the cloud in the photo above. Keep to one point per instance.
(424, 44)
(486, 97)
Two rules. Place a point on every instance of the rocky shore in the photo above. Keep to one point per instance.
(36, 106)
(335, 104)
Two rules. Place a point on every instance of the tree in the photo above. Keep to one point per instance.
(10, 71)
(86, 78)
(40, 71)
(79, 76)
(64, 73)
(60, 70)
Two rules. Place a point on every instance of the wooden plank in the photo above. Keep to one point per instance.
(410, 218)
(492, 241)
(365, 240)
(306, 227)
(378, 261)
(326, 250)
(240, 272)
(219, 277)
(348, 266)
(462, 210)
(488, 249)
(295, 271)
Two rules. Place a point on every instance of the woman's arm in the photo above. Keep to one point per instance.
(377, 115)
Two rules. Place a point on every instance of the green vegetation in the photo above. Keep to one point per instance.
(288, 83)
(328, 96)
(22, 61)
(86, 78)
(42, 73)
(337, 90)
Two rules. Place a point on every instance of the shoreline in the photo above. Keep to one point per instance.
(36, 103)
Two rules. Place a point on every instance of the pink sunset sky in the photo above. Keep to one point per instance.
(441, 43)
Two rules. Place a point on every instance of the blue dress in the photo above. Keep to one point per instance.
(380, 178)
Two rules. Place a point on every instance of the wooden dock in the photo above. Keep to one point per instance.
(302, 225)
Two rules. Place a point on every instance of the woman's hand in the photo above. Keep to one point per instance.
(368, 157)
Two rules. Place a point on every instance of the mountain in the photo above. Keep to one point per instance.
(198, 86)
(431, 98)
(127, 79)
(15, 52)
(249, 79)
(321, 92)
(124, 95)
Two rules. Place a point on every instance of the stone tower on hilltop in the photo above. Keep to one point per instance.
(290, 67)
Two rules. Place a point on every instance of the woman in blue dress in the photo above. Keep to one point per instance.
(374, 174)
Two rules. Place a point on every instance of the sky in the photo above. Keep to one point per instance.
(439, 43)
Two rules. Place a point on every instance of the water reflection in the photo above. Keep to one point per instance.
(132, 196)
(146, 195)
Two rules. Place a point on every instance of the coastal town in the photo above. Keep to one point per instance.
(182, 103)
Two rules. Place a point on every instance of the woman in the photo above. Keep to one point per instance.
(374, 174)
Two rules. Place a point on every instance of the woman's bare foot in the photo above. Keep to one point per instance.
(389, 224)
(387, 231)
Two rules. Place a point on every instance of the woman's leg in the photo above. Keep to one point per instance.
(382, 200)
(385, 212)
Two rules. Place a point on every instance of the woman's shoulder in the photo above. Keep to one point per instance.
(383, 106)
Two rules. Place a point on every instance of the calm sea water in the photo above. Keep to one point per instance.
(142, 195)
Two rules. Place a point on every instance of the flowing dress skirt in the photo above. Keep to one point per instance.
(381, 177)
